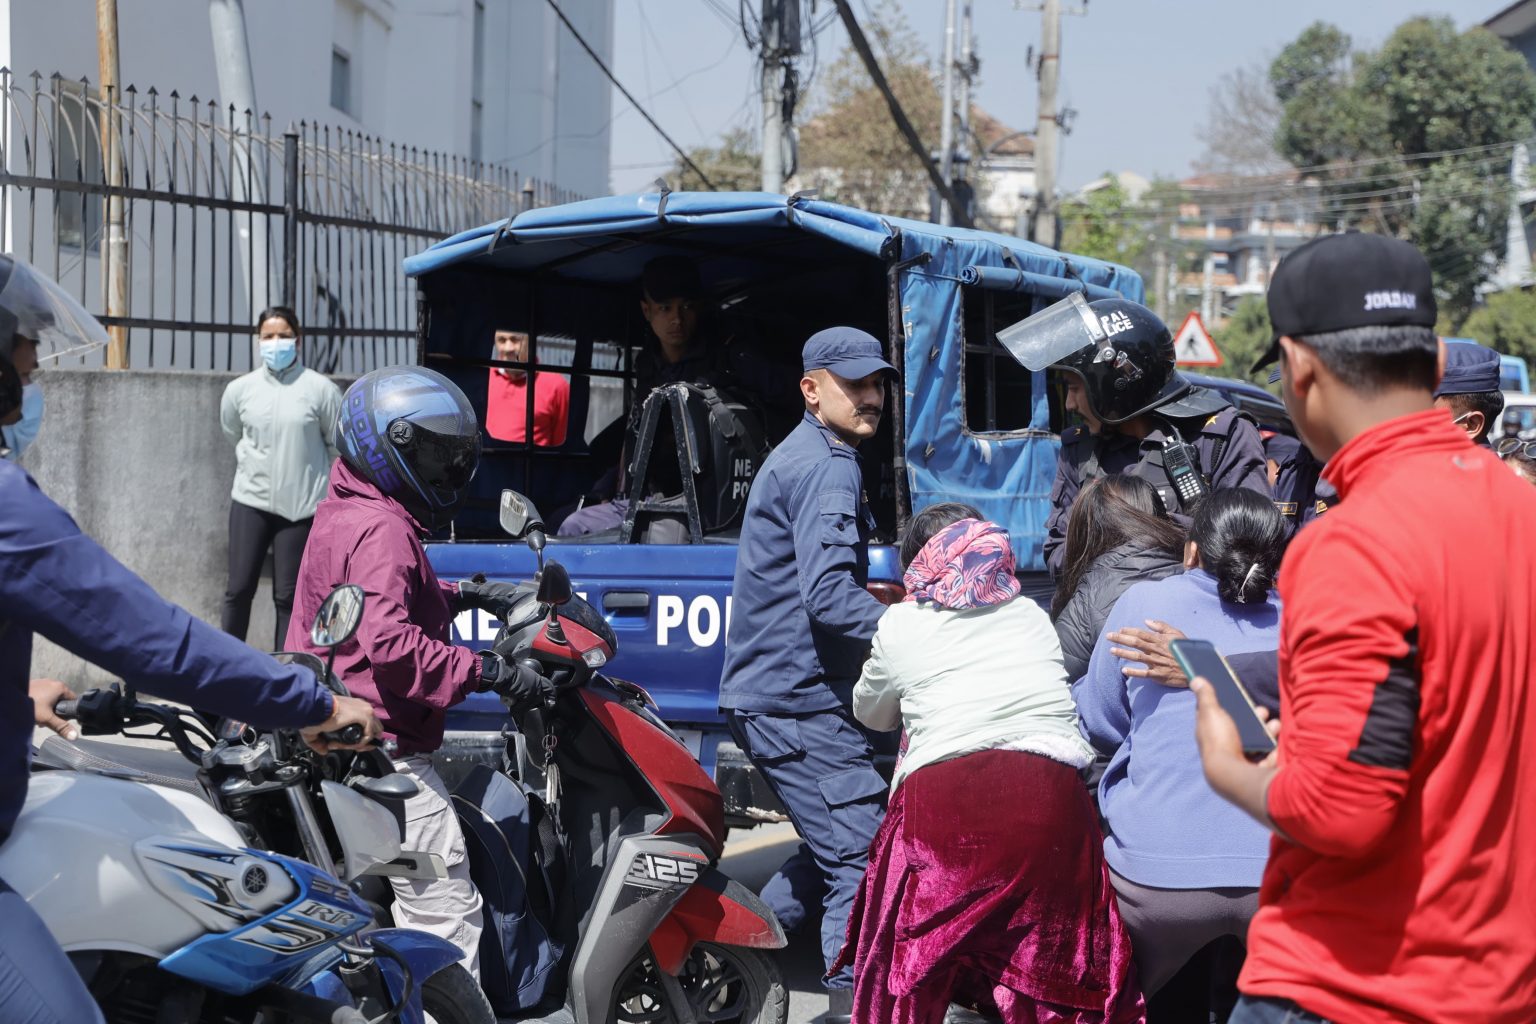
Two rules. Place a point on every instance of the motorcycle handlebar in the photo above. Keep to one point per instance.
(350, 734)
(67, 708)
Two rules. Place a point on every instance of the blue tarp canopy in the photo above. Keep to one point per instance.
(737, 236)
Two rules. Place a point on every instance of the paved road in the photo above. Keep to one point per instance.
(751, 857)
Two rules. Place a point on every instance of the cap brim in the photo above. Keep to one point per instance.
(858, 369)
(1271, 355)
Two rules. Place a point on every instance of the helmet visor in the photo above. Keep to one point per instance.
(446, 462)
(1051, 335)
(34, 307)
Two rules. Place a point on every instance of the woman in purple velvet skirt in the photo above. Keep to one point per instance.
(986, 884)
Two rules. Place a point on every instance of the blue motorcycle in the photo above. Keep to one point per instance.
(154, 870)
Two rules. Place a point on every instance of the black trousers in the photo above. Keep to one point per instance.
(252, 533)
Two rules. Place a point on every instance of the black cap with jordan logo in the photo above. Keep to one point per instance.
(1355, 279)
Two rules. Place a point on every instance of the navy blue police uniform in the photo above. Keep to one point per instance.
(1228, 445)
(1301, 493)
(57, 582)
(801, 626)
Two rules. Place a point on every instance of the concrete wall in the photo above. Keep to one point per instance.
(140, 462)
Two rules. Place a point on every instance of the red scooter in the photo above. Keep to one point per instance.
(653, 930)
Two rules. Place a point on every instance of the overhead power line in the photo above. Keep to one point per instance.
(1291, 177)
(634, 102)
(909, 133)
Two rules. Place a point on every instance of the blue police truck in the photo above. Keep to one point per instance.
(968, 422)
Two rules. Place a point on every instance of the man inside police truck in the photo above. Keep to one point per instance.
(683, 347)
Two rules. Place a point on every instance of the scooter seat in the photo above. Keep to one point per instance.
(120, 760)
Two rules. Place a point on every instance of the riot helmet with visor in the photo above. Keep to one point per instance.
(1119, 349)
(35, 309)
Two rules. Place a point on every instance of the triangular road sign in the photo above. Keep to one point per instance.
(1193, 346)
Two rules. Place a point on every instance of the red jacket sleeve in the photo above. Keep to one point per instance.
(406, 660)
(1349, 694)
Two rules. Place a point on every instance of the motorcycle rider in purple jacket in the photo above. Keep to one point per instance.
(57, 582)
(409, 444)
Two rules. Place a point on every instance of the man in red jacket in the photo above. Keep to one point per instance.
(1401, 883)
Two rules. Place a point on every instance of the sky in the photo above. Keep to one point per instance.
(1138, 72)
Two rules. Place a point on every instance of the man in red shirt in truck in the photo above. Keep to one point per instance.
(1401, 883)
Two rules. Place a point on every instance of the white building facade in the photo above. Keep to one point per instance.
(415, 119)
(496, 80)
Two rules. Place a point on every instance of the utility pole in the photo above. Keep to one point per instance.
(1049, 126)
(947, 112)
(969, 65)
(780, 45)
(1046, 127)
(115, 245)
(968, 68)
(237, 89)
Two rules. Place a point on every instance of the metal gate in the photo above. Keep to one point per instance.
(220, 218)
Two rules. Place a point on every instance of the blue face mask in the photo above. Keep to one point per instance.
(23, 432)
(278, 353)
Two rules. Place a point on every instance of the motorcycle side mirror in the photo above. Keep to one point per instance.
(518, 515)
(338, 617)
(521, 520)
(554, 585)
(336, 621)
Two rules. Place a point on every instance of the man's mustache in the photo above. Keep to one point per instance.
(871, 410)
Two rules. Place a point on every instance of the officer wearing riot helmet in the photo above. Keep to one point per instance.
(1141, 416)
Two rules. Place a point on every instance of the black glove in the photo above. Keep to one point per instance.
(519, 684)
(496, 598)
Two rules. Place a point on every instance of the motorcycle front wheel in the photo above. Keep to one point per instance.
(718, 985)
(452, 996)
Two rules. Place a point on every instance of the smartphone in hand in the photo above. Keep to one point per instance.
(1200, 658)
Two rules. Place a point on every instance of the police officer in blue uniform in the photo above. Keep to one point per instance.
(55, 581)
(1469, 389)
(802, 622)
(1140, 415)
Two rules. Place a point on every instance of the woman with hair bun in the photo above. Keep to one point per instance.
(1185, 863)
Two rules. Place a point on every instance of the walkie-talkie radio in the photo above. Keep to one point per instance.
(1181, 463)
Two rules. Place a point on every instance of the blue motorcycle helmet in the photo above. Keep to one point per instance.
(411, 433)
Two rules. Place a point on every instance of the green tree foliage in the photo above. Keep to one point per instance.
(735, 165)
(1241, 340)
(1361, 124)
(850, 150)
(1105, 225)
(1507, 323)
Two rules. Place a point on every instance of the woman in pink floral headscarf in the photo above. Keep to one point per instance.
(986, 883)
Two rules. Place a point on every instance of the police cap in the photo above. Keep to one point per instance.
(1470, 369)
(847, 351)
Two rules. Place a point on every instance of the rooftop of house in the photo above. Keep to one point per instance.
(1513, 21)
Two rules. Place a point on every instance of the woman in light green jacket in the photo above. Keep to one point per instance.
(282, 419)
